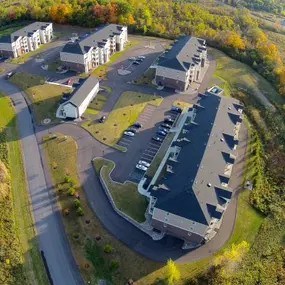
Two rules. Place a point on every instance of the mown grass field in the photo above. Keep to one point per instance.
(96, 105)
(94, 263)
(44, 97)
(126, 196)
(124, 113)
(21, 261)
(233, 75)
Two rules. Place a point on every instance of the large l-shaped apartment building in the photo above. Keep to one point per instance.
(190, 191)
(94, 49)
(26, 39)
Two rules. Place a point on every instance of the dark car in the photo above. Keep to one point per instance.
(161, 133)
(176, 109)
(168, 120)
(137, 125)
(157, 139)
(164, 125)
(133, 130)
(140, 60)
(136, 63)
(102, 119)
(9, 75)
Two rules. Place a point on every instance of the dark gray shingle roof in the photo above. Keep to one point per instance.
(195, 188)
(182, 54)
(25, 31)
(97, 38)
(80, 95)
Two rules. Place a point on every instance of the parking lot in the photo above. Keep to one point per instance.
(149, 153)
(125, 141)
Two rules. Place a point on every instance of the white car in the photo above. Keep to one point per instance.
(132, 58)
(130, 134)
(141, 57)
(144, 163)
(141, 167)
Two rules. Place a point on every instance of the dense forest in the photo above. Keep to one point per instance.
(238, 34)
(233, 30)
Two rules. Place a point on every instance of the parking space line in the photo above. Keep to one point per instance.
(125, 143)
(149, 155)
(151, 150)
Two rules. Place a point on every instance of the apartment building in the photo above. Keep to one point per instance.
(94, 49)
(182, 63)
(79, 100)
(26, 39)
(190, 191)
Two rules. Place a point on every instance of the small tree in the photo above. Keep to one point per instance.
(66, 212)
(114, 264)
(108, 248)
(76, 203)
(67, 179)
(71, 191)
(79, 211)
(172, 272)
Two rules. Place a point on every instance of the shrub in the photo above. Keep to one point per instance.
(54, 165)
(66, 212)
(71, 191)
(67, 179)
(114, 264)
(79, 211)
(108, 248)
(76, 203)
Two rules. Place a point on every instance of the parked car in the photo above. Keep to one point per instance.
(102, 119)
(133, 130)
(141, 167)
(69, 81)
(130, 134)
(163, 129)
(136, 63)
(9, 74)
(144, 163)
(137, 125)
(161, 133)
(166, 126)
(157, 139)
(176, 109)
(168, 120)
(141, 57)
(132, 58)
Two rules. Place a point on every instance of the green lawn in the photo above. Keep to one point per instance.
(44, 97)
(126, 196)
(234, 75)
(146, 78)
(93, 262)
(52, 66)
(96, 105)
(101, 70)
(24, 256)
(124, 113)
(8, 29)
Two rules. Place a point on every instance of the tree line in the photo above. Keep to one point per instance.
(233, 30)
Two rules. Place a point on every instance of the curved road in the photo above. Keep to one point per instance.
(168, 247)
(49, 228)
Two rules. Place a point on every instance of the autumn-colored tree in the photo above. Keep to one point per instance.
(231, 257)
(60, 13)
(234, 40)
(172, 272)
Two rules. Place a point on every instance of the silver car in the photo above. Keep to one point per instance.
(130, 134)
(144, 163)
(141, 167)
